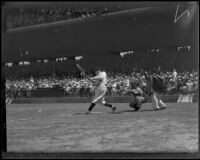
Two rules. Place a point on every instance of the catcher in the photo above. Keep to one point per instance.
(99, 82)
(139, 97)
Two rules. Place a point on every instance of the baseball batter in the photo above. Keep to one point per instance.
(99, 82)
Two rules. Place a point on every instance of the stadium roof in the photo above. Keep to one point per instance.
(141, 25)
(125, 4)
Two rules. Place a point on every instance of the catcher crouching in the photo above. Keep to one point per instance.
(139, 97)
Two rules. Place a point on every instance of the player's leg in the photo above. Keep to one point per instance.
(99, 93)
(139, 101)
(191, 97)
(94, 101)
(90, 107)
(155, 101)
(161, 104)
(104, 103)
(102, 91)
(180, 98)
(135, 103)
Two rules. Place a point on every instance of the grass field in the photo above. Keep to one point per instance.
(64, 127)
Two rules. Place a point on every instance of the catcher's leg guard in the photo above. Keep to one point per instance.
(135, 104)
(138, 106)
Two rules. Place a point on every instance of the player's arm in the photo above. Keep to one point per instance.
(83, 74)
(139, 90)
(96, 78)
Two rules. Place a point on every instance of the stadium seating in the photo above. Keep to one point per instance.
(32, 16)
(75, 86)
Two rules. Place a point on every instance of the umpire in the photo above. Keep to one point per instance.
(156, 82)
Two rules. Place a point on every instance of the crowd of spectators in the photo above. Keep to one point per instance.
(74, 85)
(31, 16)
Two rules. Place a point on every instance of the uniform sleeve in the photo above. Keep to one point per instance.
(140, 90)
(96, 78)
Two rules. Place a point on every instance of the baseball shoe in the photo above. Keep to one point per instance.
(161, 108)
(88, 112)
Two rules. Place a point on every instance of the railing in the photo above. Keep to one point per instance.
(61, 92)
(110, 99)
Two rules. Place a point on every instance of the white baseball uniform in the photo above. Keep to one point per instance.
(101, 89)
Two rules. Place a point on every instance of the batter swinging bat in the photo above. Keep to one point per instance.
(81, 69)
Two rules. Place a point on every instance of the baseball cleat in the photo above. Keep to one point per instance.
(156, 109)
(88, 112)
(163, 107)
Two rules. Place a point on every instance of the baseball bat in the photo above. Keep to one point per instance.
(80, 68)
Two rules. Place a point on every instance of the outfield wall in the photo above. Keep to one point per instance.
(113, 99)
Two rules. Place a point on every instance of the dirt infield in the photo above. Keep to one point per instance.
(64, 127)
